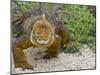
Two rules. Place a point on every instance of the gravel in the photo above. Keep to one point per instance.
(85, 59)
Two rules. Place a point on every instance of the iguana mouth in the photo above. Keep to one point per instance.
(44, 41)
(36, 41)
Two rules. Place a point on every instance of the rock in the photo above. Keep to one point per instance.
(33, 55)
(64, 61)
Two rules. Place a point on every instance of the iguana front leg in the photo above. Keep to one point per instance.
(18, 54)
(53, 50)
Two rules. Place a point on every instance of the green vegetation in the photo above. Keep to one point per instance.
(81, 24)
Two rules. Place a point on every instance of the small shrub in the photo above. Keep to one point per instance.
(81, 24)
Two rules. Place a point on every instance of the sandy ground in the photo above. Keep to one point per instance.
(65, 61)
